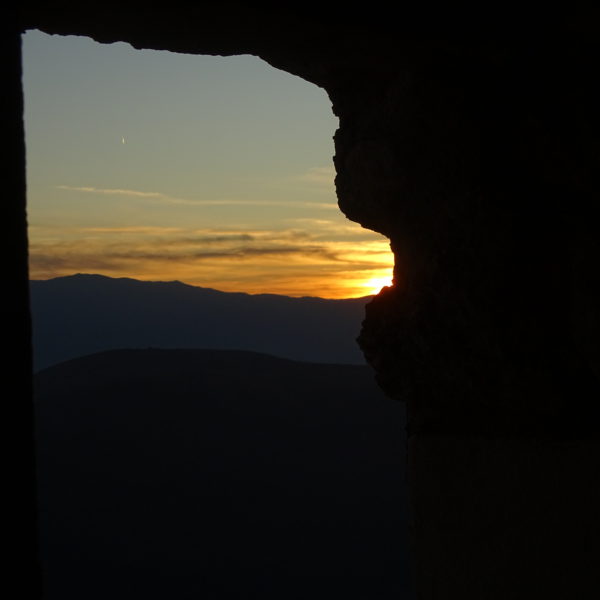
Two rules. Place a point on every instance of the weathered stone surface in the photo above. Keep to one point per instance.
(504, 518)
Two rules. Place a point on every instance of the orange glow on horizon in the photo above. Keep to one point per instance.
(375, 284)
(290, 263)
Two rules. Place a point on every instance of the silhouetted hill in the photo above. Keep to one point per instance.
(81, 314)
(219, 474)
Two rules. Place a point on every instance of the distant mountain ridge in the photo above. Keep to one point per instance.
(84, 313)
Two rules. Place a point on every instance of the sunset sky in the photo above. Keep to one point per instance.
(216, 171)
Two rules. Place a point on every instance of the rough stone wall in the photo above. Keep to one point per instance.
(486, 183)
(477, 155)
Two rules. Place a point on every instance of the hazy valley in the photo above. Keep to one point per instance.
(77, 315)
(218, 474)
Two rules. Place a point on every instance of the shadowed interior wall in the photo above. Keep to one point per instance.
(18, 482)
(477, 155)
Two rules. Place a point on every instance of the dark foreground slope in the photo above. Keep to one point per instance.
(215, 474)
(81, 314)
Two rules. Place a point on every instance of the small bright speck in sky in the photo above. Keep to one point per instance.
(215, 171)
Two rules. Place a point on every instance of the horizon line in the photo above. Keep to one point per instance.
(200, 287)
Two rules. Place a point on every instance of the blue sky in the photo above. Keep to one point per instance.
(216, 171)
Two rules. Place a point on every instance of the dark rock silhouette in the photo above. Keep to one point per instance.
(216, 474)
(77, 315)
(471, 140)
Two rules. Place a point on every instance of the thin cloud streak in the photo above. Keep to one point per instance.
(321, 176)
(111, 191)
(185, 250)
(329, 227)
(165, 198)
(136, 230)
(358, 236)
